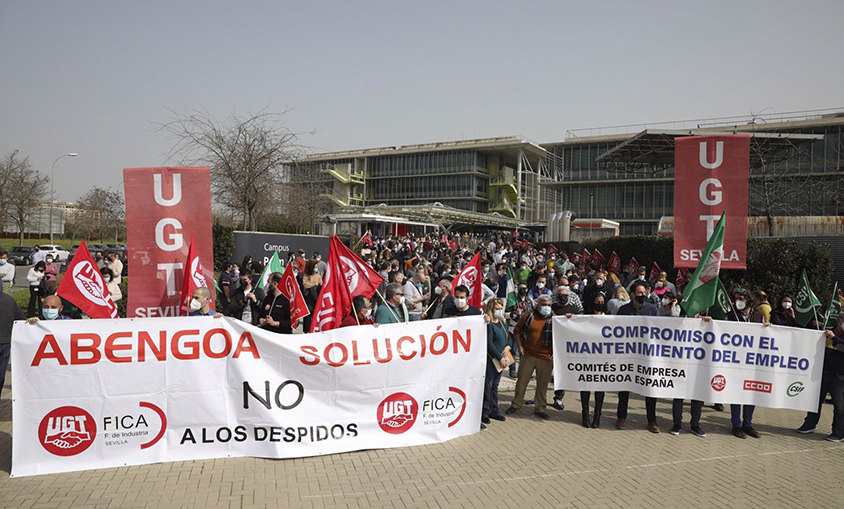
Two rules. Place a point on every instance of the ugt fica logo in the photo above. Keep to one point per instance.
(67, 431)
(397, 413)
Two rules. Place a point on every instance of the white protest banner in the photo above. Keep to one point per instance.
(726, 362)
(105, 393)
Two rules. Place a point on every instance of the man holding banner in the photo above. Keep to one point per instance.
(832, 383)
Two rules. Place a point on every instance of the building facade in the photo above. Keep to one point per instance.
(623, 173)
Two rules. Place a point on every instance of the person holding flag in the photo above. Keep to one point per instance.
(393, 310)
(806, 304)
(84, 286)
(246, 300)
(200, 303)
(275, 309)
(361, 313)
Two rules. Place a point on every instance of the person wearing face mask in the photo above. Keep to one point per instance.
(51, 271)
(539, 289)
(442, 299)
(35, 276)
(461, 304)
(620, 298)
(574, 298)
(522, 273)
(361, 313)
(637, 307)
(641, 275)
(320, 264)
(597, 287)
(599, 308)
(274, 315)
(832, 383)
(10, 312)
(669, 306)
(741, 417)
(497, 345)
(393, 310)
(246, 299)
(413, 294)
(200, 303)
(661, 287)
(784, 314)
(116, 265)
(112, 285)
(7, 272)
(535, 340)
(516, 312)
(51, 309)
(562, 306)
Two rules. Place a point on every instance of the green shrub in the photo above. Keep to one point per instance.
(223, 244)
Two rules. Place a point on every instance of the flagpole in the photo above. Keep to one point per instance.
(355, 312)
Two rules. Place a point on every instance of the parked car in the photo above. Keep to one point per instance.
(21, 255)
(59, 253)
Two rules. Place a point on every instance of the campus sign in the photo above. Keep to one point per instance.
(711, 176)
(726, 362)
(260, 246)
(107, 393)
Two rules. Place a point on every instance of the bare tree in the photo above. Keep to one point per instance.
(246, 155)
(22, 190)
(306, 201)
(788, 182)
(101, 213)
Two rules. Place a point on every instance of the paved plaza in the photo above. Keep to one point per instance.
(523, 462)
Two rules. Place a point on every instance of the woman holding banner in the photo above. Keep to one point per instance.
(498, 358)
(742, 417)
(598, 308)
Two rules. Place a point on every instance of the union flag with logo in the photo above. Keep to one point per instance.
(83, 285)
(472, 278)
(193, 279)
(290, 289)
(346, 277)
(614, 265)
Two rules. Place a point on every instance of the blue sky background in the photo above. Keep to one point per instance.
(93, 76)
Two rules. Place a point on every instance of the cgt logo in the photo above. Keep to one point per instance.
(397, 413)
(719, 382)
(795, 389)
(67, 431)
(753, 385)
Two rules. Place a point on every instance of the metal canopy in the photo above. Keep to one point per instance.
(652, 150)
(435, 214)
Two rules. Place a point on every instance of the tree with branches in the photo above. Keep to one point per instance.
(101, 213)
(246, 154)
(21, 191)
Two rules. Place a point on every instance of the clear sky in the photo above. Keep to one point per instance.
(94, 76)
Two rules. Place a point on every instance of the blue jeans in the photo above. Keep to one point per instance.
(5, 348)
(832, 384)
(741, 419)
(493, 378)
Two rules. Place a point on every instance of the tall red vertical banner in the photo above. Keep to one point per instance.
(164, 208)
(711, 176)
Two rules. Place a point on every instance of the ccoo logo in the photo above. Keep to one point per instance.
(397, 413)
(67, 431)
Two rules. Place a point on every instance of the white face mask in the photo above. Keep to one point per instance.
(438, 290)
(498, 313)
(665, 302)
(540, 285)
(366, 313)
(460, 303)
(659, 284)
(195, 305)
(599, 282)
(786, 305)
(740, 305)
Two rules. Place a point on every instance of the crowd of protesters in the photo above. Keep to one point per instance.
(419, 283)
(419, 274)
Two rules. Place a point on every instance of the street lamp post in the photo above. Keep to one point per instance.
(52, 200)
(591, 213)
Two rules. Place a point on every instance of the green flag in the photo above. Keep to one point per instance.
(272, 267)
(702, 288)
(512, 300)
(805, 302)
(721, 308)
(831, 318)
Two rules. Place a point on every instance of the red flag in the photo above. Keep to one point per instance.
(654, 277)
(367, 239)
(614, 264)
(681, 274)
(452, 245)
(444, 239)
(83, 285)
(515, 233)
(587, 257)
(551, 250)
(517, 245)
(472, 278)
(290, 289)
(346, 276)
(576, 258)
(598, 258)
(193, 279)
(633, 264)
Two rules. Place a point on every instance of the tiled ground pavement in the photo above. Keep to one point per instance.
(552, 463)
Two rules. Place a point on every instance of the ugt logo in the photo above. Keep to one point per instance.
(67, 431)
(397, 413)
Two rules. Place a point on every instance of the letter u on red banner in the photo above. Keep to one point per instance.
(711, 176)
(164, 207)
